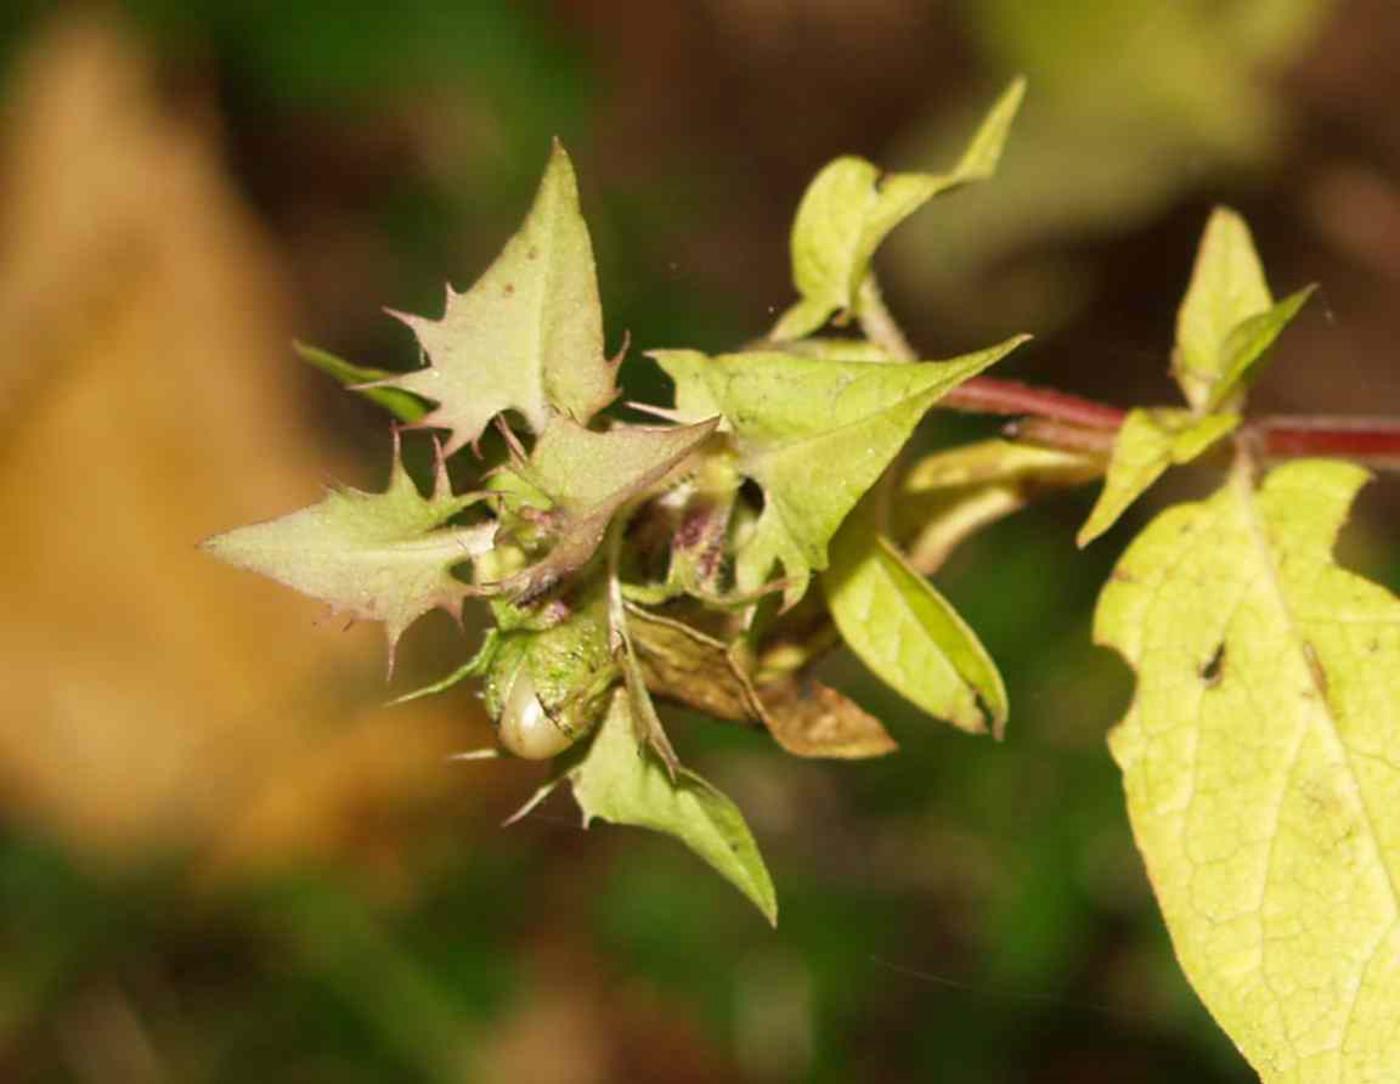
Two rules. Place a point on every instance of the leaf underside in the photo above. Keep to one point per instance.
(1259, 761)
(948, 496)
(907, 633)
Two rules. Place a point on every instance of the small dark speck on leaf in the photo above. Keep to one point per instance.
(510, 288)
(1214, 668)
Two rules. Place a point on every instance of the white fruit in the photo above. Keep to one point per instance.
(525, 728)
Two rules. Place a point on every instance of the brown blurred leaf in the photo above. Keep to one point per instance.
(152, 693)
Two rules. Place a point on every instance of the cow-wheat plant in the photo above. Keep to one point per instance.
(709, 550)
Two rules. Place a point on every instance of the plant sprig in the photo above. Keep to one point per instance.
(712, 559)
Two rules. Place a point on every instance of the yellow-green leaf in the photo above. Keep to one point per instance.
(528, 335)
(907, 633)
(1247, 344)
(1150, 441)
(1227, 287)
(374, 556)
(815, 435)
(1259, 759)
(833, 348)
(949, 495)
(621, 781)
(848, 209)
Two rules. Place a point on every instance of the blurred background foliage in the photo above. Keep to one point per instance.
(222, 860)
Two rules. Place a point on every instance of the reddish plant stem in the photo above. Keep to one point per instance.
(988, 395)
(1062, 420)
(1372, 441)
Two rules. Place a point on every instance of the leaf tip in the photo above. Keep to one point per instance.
(560, 168)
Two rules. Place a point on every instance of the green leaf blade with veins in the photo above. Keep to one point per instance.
(1259, 762)
(907, 633)
(620, 781)
(528, 335)
(815, 435)
(848, 209)
(1227, 287)
(374, 556)
(1150, 441)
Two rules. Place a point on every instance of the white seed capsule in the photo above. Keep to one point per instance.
(525, 729)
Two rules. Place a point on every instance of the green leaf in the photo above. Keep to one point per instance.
(950, 495)
(589, 478)
(803, 317)
(403, 405)
(815, 435)
(528, 336)
(1150, 441)
(1249, 341)
(373, 556)
(848, 210)
(907, 633)
(1086, 161)
(1259, 762)
(1227, 287)
(832, 348)
(980, 160)
(621, 781)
